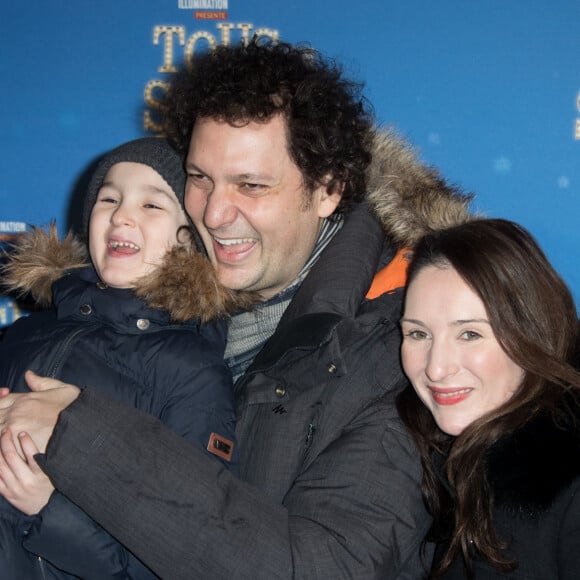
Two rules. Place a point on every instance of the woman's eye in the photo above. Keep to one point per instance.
(416, 334)
(470, 335)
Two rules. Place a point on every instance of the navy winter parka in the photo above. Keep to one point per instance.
(109, 339)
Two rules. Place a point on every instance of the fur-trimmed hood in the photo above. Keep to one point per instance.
(409, 198)
(185, 285)
(527, 469)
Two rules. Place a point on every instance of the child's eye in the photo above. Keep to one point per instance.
(107, 199)
(152, 206)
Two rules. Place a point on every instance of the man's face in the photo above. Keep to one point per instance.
(247, 199)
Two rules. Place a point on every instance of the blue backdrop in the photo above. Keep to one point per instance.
(488, 91)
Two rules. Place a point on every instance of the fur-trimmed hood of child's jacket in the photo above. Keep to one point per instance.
(410, 198)
(185, 285)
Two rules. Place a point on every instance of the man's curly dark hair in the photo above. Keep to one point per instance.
(328, 120)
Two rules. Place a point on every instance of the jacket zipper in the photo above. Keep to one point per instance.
(63, 349)
(310, 435)
(42, 568)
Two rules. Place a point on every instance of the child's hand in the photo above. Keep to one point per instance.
(22, 482)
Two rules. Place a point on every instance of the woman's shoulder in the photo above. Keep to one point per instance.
(530, 467)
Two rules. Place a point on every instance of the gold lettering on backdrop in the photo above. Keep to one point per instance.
(165, 36)
(225, 27)
(152, 89)
(273, 34)
(245, 28)
(192, 41)
(168, 32)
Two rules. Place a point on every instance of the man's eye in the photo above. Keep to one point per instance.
(252, 188)
(199, 180)
(197, 177)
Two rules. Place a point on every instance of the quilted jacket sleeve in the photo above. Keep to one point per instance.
(201, 405)
(66, 537)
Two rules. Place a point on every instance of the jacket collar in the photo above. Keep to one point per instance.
(339, 280)
(79, 293)
(528, 468)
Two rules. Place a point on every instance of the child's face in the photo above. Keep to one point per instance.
(133, 223)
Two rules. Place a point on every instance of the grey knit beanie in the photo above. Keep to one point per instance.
(152, 151)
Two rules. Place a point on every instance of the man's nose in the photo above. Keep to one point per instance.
(220, 207)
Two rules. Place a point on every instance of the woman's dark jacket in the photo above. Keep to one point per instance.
(534, 474)
(110, 339)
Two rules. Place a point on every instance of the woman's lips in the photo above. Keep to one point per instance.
(449, 396)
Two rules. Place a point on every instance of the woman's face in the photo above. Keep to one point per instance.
(450, 353)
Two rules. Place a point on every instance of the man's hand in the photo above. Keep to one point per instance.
(37, 412)
(22, 481)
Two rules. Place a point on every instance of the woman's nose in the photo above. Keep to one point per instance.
(441, 361)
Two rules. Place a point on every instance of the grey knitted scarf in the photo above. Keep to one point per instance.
(248, 331)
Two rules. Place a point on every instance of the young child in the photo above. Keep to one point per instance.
(146, 321)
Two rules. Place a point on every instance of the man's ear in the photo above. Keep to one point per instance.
(328, 197)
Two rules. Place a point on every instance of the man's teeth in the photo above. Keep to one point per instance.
(233, 242)
(130, 245)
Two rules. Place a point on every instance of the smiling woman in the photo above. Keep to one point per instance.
(489, 331)
(450, 353)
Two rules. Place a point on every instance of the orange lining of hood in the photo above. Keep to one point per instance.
(391, 277)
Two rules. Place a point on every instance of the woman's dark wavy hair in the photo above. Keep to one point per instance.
(533, 316)
(328, 120)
